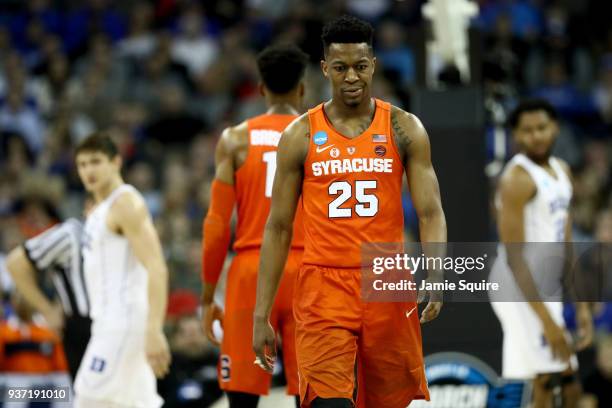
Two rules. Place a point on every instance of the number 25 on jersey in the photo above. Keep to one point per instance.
(367, 203)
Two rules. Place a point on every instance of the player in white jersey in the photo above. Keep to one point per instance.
(533, 200)
(126, 279)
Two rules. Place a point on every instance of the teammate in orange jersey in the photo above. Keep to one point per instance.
(245, 165)
(347, 157)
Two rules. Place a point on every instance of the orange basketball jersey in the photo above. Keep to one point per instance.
(351, 190)
(254, 182)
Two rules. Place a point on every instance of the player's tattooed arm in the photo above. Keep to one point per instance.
(292, 150)
(401, 136)
(412, 142)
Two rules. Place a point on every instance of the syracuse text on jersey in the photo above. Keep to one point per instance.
(355, 165)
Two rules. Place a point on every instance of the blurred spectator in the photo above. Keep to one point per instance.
(101, 58)
(18, 117)
(142, 176)
(93, 17)
(52, 85)
(603, 90)
(42, 14)
(156, 71)
(16, 156)
(5, 45)
(561, 93)
(525, 17)
(173, 125)
(26, 345)
(506, 50)
(140, 40)
(192, 381)
(599, 382)
(213, 97)
(270, 9)
(368, 9)
(181, 303)
(603, 230)
(394, 54)
(50, 46)
(193, 47)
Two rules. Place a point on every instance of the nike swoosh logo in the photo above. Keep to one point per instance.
(410, 312)
(319, 149)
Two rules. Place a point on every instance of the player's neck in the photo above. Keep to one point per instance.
(107, 189)
(336, 108)
(281, 107)
(540, 161)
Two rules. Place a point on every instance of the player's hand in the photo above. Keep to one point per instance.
(210, 313)
(158, 352)
(555, 336)
(434, 306)
(54, 317)
(585, 328)
(264, 344)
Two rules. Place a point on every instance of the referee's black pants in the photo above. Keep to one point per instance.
(77, 330)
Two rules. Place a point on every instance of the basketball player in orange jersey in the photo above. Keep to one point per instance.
(347, 157)
(245, 166)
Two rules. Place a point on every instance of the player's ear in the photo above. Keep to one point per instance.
(301, 89)
(118, 161)
(556, 128)
(373, 65)
(324, 68)
(262, 91)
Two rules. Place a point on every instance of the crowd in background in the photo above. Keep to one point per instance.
(164, 77)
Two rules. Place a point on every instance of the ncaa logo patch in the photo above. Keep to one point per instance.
(225, 367)
(334, 152)
(320, 138)
(350, 150)
(380, 150)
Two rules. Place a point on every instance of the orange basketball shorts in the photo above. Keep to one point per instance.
(335, 329)
(236, 370)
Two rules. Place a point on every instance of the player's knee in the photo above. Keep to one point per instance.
(331, 403)
(242, 400)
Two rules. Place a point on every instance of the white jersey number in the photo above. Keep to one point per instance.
(367, 204)
(270, 159)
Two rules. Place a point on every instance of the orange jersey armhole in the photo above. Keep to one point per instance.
(216, 230)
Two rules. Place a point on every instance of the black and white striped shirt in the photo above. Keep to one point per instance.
(58, 250)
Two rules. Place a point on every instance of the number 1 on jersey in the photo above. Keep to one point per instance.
(270, 159)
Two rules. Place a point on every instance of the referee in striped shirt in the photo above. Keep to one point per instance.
(56, 251)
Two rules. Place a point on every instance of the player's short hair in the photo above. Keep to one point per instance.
(347, 29)
(281, 67)
(528, 106)
(98, 142)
